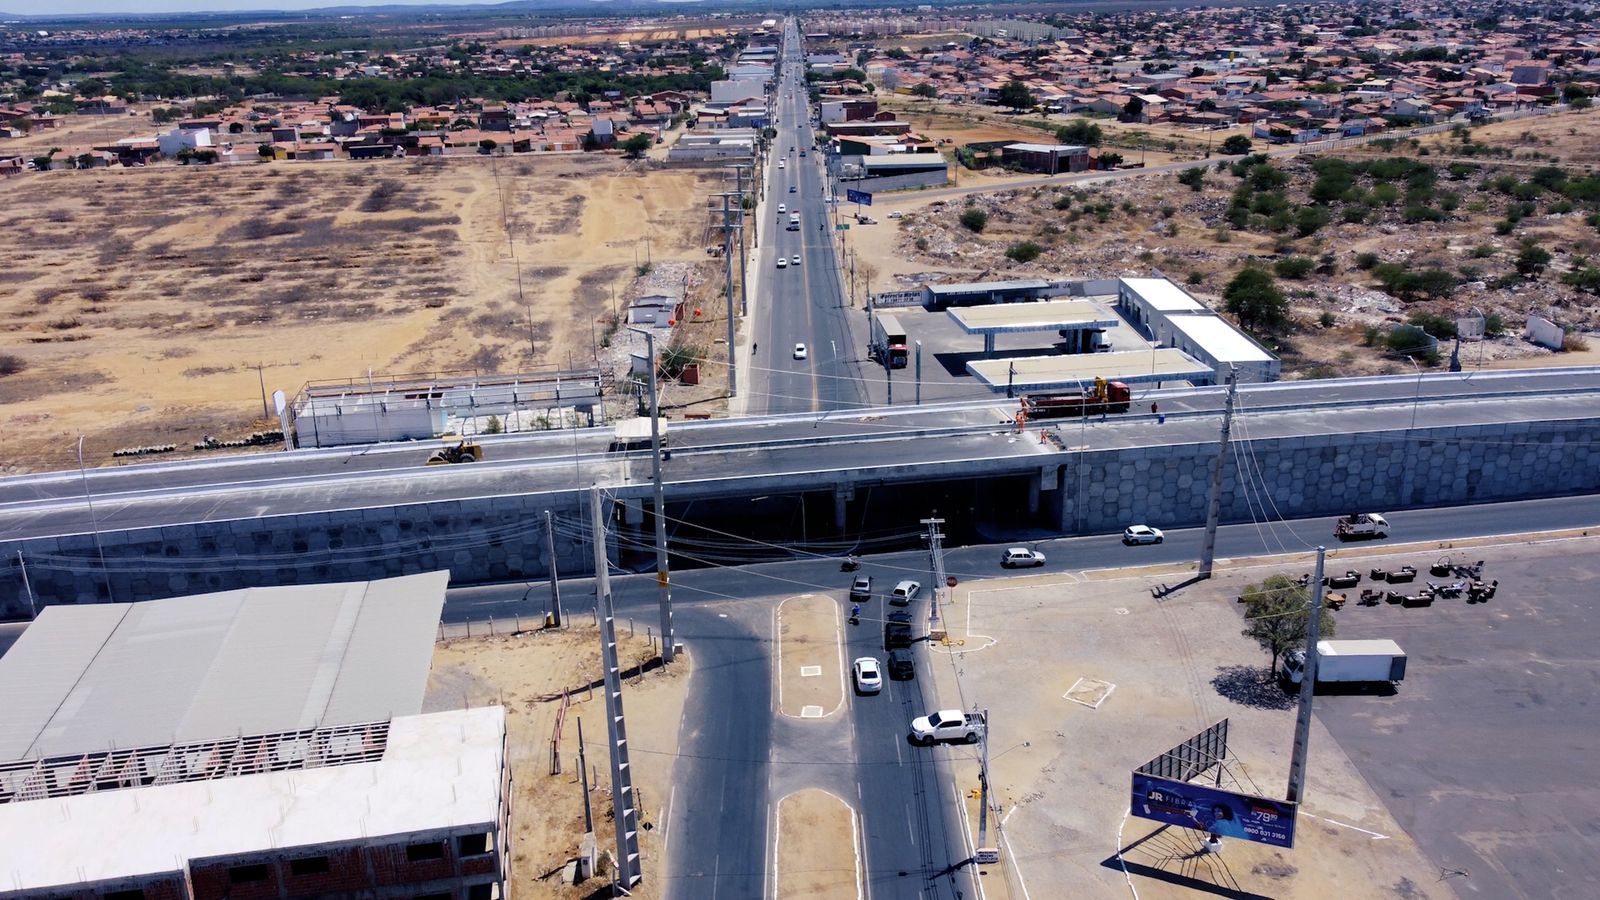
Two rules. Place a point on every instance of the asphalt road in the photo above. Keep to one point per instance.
(732, 753)
(803, 304)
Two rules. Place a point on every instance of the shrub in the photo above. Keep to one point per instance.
(1493, 325)
(1293, 267)
(1064, 201)
(1532, 259)
(1024, 251)
(1365, 261)
(1080, 132)
(11, 365)
(974, 219)
(1483, 251)
(921, 244)
(1416, 212)
(1195, 278)
(1574, 342)
(1195, 178)
(1326, 320)
(1309, 220)
(1354, 215)
(1433, 323)
(1235, 144)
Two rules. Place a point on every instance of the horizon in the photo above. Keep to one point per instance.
(224, 7)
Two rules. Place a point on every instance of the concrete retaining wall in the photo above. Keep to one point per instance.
(503, 539)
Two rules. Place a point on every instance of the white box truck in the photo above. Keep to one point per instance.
(1350, 662)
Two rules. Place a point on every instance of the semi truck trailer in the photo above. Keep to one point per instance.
(889, 345)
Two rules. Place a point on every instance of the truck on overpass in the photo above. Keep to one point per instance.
(888, 344)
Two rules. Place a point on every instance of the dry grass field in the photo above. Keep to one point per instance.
(139, 303)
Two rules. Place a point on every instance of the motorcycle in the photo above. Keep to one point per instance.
(850, 564)
(855, 614)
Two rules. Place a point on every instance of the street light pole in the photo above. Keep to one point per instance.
(663, 577)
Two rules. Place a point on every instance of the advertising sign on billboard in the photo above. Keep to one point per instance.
(1214, 811)
(861, 197)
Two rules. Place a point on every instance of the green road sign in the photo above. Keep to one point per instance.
(842, 226)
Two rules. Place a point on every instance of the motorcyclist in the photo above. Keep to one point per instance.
(855, 612)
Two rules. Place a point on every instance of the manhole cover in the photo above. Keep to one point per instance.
(810, 671)
(810, 712)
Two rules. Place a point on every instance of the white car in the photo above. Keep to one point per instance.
(782, 209)
(780, 164)
(897, 214)
(783, 263)
(1018, 557)
(799, 351)
(794, 260)
(869, 678)
(904, 593)
(1141, 534)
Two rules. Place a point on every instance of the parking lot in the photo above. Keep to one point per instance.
(1087, 677)
(1484, 754)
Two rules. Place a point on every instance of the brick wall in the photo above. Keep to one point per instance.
(390, 865)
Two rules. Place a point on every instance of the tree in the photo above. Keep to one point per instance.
(1235, 145)
(1277, 615)
(264, 151)
(1532, 260)
(487, 145)
(236, 128)
(1110, 160)
(974, 219)
(635, 146)
(1016, 95)
(925, 90)
(1253, 296)
(1024, 251)
(42, 163)
(1134, 108)
(1080, 132)
(1195, 178)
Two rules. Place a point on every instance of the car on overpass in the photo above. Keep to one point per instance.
(1141, 534)
(1020, 558)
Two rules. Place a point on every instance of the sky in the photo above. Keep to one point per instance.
(75, 7)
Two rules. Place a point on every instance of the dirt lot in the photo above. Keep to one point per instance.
(810, 679)
(142, 302)
(1113, 679)
(528, 673)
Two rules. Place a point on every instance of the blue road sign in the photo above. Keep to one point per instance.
(861, 197)
(1219, 812)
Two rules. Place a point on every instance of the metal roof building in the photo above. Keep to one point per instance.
(941, 296)
(1076, 371)
(261, 742)
(1073, 319)
(197, 668)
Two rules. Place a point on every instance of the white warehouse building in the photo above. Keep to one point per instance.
(1174, 318)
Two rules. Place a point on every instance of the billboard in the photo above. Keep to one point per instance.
(858, 197)
(1191, 758)
(1214, 811)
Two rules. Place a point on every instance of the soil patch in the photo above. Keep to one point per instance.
(817, 853)
(811, 657)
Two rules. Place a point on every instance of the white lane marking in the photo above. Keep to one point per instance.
(666, 822)
(856, 839)
(1375, 835)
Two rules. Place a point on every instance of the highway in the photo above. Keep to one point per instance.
(286, 483)
(804, 304)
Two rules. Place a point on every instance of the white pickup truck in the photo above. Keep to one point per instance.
(948, 725)
(1361, 525)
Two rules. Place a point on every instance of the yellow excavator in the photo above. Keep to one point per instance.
(462, 451)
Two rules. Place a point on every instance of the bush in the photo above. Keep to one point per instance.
(1416, 212)
(1064, 201)
(1196, 278)
(1365, 261)
(1493, 325)
(974, 219)
(1574, 342)
(11, 365)
(1234, 145)
(1195, 178)
(1080, 132)
(1326, 320)
(1532, 259)
(1354, 215)
(1407, 340)
(922, 244)
(1293, 267)
(1024, 251)
(1433, 323)
(1309, 220)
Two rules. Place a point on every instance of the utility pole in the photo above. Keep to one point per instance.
(263, 380)
(888, 377)
(936, 561)
(727, 259)
(94, 522)
(663, 579)
(623, 814)
(919, 373)
(27, 588)
(1308, 684)
(983, 786)
(1208, 552)
(744, 282)
(555, 584)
